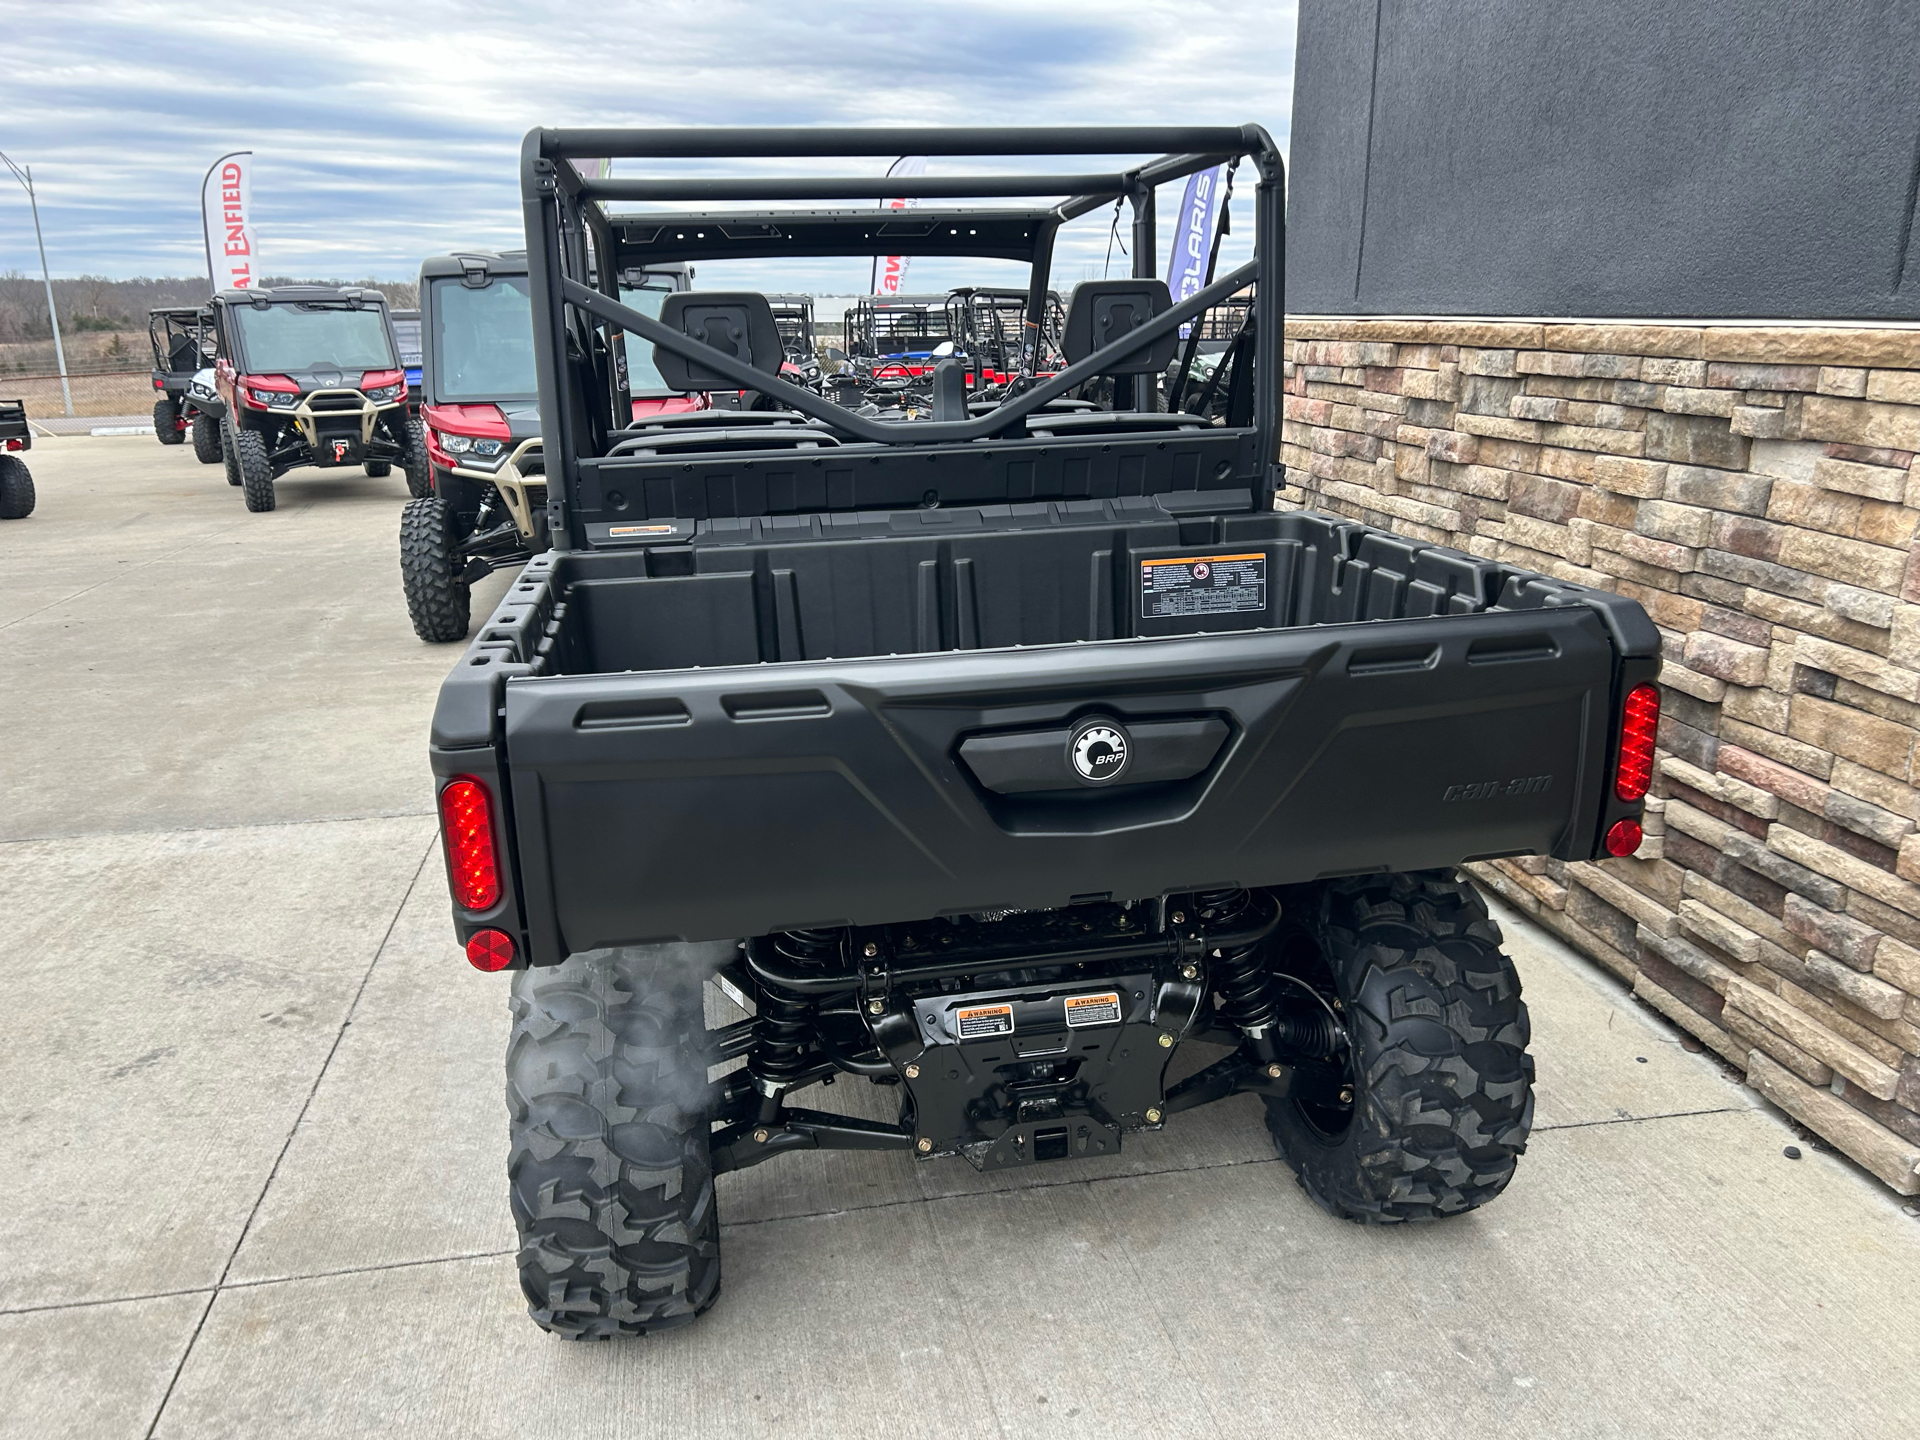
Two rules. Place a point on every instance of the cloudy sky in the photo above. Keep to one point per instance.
(384, 132)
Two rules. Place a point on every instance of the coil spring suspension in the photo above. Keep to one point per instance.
(1240, 974)
(784, 1024)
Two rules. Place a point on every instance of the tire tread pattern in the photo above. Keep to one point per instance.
(1444, 1092)
(439, 602)
(16, 488)
(611, 1179)
(247, 458)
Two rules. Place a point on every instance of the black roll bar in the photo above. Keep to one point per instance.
(920, 432)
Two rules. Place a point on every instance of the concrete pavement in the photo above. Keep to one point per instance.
(254, 1136)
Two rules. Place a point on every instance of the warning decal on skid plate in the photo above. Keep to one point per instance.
(979, 1022)
(1202, 585)
(1101, 1009)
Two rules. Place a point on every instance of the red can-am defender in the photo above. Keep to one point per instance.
(311, 375)
(16, 484)
(487, 506)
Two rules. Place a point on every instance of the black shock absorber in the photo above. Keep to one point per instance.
(784, 1024)
(1240, 973)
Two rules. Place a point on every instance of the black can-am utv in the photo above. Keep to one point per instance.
(183, 350)
(1027, 762)
(989, 327)
(16, 481)
(311, 375)
(406, 336)
(487, 509)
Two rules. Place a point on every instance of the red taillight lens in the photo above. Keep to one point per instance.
(1639, 721)
(466, 824)
(490, 950)
(1622, 840)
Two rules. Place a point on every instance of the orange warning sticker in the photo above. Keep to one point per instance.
(1101, 1009)
(978, 1022)
(1202, 585)
(639, 530)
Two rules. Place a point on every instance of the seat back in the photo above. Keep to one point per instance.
(1103, 311)
(737, 323)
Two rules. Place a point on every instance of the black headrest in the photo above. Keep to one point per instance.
(1105, 310)
(740, 323)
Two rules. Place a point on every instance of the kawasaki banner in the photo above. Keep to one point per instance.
(1193, 234)
(890, 271)
(226, 215)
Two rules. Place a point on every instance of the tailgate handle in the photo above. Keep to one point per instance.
(1041, 760)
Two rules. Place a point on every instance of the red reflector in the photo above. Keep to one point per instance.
(490, 950)
(1639, 721)
(1623, 839)
(466, 824)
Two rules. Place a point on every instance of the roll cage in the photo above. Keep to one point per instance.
(182, 338)
(572, 239)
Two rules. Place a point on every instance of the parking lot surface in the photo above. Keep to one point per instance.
(254, 1130)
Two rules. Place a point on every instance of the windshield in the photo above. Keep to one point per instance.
(482, 341)
(643, 377)
(280, 338)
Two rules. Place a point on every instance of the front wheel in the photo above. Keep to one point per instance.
(16, 488)
(378, 469)
(249, 468)
(439, 601)
(207, 448)
(413, 457)
(166, 422)
(1426, 1111)
(610, 1175)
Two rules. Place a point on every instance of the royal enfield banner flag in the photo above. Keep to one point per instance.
(1193, 235)
(890, 271)
(226, 214)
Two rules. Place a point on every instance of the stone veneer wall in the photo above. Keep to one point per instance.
(1755, 488)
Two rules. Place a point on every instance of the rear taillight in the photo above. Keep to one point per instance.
(490, 950)
(1639, 722)
(466, 824)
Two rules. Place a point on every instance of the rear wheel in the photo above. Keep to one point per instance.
(610, 1175)
(1426, 1111)
(249, 468)
(438, 600)
(207, 448)
(16, 488)
(166, 422)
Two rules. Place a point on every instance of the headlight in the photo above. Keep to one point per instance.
(279, 399)
(383, 393)
(455, 444)
(487, 447)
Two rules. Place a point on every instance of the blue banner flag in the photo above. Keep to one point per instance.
(1193, 234)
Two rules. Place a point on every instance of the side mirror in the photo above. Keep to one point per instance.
(943, 349)
(834, 352)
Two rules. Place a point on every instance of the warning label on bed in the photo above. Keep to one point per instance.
(1202, 585)
(977, 1022)
(1101, 1009)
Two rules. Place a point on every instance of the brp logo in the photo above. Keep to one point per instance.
(1099, 751)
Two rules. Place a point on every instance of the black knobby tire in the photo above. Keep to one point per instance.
(166, 422)
(227, 457)
(378, 469)
(1429, 1111)
(414, 459)
(16, 488)
(249, 468)
(207, 448)
(439, 601)
(611, 1179)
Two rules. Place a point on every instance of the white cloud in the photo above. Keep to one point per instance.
(384, 132)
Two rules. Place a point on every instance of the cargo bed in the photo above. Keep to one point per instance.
(778, 723)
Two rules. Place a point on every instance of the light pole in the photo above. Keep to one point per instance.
(25, 177)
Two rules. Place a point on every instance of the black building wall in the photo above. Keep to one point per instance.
(1701, 158)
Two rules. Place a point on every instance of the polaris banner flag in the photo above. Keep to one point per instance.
(890, 271)
(226, 213)
(1193, 235)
